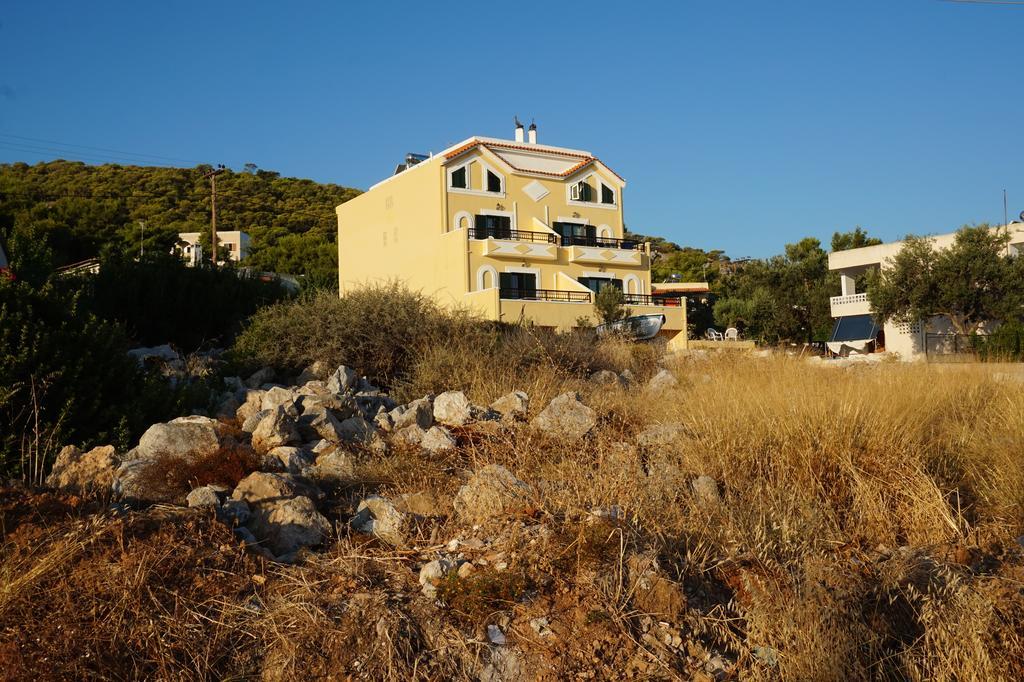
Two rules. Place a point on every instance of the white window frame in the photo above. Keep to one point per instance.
(598, 181)
(469, 177)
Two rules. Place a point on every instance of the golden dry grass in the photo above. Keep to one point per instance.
(866, 529)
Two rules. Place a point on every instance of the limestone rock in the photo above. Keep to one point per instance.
(342, 379)
(411, 435)
(291, 525)
(316, 372)
(492, 491)
(88, 472)
(357, 429)
(205, 496)
(187, 438)
(260, 377)
(512, 406)
(566, 417)
(234, 512)
(419, 504)
(278, 395)
(377, 516)
(604, 377)
(250, 423)
(452, 408)
(705, 489)
(433, 572)
(261, 487)
(437, 439)
(663, 380)
(288, 458)
(333, 466)
(318, 422)
(274, 430)
(419, 412)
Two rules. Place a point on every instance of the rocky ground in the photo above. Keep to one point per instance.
(313, 527)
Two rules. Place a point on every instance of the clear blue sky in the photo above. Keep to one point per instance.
(739, 125)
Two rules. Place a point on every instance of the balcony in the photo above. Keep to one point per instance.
(854, 304)
(517, 244)
(551, 295)
(601, 242)
(656, 300)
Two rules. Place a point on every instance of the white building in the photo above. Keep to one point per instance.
(856, 330)
(232, 242)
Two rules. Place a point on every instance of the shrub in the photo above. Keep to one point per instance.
(160, 300)
(609, 304)
(169, 478)
(379, 330)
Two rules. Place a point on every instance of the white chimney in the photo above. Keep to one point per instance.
(533, 133)
(519, 130)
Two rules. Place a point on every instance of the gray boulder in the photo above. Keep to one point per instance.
(377, 516)
(566, 417)
(492, 491)
(332, 466)
(433, 572)
(83, 473)
(274, 430)
(316, 372)
(260, 377)
(341, 380)
(205, 496)
(705, 489)
(410, 435)
(419, 412)
(261, 487)
(662, 381)
(278, 395)
(188, 438)
(357, 429)
(250, 423)
(437, 439)
(512, 406)
(605, 377)
(661, 435)
(234, 512)
(452, 408)
(287, 458)
(317, 422)
(290, 525)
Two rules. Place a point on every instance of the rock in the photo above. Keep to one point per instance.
(234, 512)
(627, 378)
(357, 429)
(318, 422)
(278, 395)
(316, 372)
(188, 438)
(604, 377)
(661, 435)
(496, 636)
(452, 408)
(377, 516)
(205, 496)
(437, 439)
(291, 525)
(250, 423)
(274, 430)
(228, 406)
(419, 412)
(342, 380)
(333, 466)
(261, 487)
(288, 458)
(253, 402)
(250, 542)
(162, 353)
(384, 422)
(663, 380)
(705, 489)
(433, 573)
(512, 406)
(566, 417)
(541, 626)
(506, 665)
(411, 435)
(84, 473)
(492, 491)
(260, 377)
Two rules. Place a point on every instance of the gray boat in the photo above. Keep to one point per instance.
(638, 327)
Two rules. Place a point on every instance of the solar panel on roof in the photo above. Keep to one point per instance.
(854, 328)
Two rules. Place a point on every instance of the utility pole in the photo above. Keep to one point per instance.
(213, 208)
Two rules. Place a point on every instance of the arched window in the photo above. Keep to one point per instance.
(486, 278)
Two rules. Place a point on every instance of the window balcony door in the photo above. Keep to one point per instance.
(518, 285)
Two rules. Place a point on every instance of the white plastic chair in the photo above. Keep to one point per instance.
(732, 334)
(713, 334)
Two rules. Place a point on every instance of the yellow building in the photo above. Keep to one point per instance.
(509, 228)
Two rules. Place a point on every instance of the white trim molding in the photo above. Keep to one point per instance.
(459, 216)
(604, 231)
(638, 287)
(483, 269)
(599, 180)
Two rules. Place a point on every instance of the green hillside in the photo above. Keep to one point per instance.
(84, 211)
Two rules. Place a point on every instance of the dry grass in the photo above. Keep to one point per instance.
(865, 530)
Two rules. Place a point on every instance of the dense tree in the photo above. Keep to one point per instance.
(971, 282)
(854, 239)
(85, 211)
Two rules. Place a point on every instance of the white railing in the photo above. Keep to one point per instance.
(852, 298)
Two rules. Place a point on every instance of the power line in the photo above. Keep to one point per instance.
(98, 149)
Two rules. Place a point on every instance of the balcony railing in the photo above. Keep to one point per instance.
(648, 299)
(546, 295)
(852, 298)
(603, 242)
(512, 235)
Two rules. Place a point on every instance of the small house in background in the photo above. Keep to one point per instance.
(233, 243)
(857, 331)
